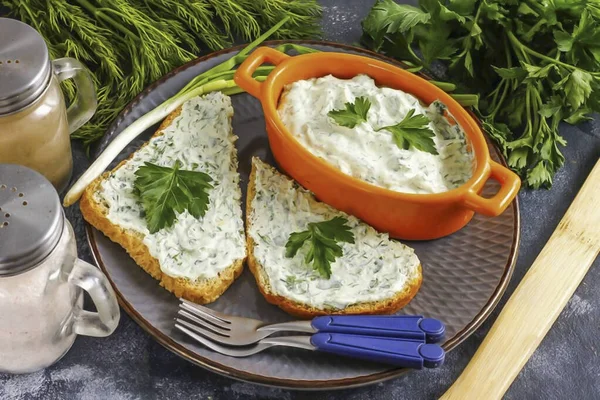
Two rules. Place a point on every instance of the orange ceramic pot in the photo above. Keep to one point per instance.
(402, 215)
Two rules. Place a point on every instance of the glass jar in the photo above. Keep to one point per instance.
(35, 125)
(41, 279)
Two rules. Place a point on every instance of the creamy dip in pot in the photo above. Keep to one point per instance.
(364, 152)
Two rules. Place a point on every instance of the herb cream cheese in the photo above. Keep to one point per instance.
(374, 268)
(201, 139)
(370, 155)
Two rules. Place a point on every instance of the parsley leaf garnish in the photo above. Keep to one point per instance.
(413, 131)
(323, 238)
(354, 114)
(165, 191)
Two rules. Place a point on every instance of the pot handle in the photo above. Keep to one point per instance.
(93, 281)
(243, 76)
(494, 206)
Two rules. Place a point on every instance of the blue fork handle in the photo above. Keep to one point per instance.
(398, 326)
(399, 352)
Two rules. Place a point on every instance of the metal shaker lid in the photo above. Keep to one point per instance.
(31, 219)
(25, 68)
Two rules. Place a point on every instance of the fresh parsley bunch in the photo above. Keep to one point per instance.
(534, 63)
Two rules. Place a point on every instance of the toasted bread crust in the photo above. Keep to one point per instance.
(387, 306)
(201, 291)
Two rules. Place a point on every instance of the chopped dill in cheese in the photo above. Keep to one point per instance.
(372, 268)
(368, 152)
(200, 138)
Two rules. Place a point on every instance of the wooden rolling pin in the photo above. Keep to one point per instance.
(537, 301)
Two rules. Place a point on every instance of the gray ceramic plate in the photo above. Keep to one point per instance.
(464, 274)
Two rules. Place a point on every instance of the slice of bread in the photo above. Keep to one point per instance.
(198, 131)
(375, 275)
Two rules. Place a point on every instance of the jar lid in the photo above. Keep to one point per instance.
(25, 67)
(31, 219)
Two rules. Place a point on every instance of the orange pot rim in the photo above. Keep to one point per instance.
(480, 172)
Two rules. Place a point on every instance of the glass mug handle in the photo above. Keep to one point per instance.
(85, 103)
(93, 281)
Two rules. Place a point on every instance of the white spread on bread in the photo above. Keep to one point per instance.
(202, 140)
(373, 268)
(365, 153)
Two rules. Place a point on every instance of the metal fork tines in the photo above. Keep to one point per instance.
(230, 330)
(302, 342)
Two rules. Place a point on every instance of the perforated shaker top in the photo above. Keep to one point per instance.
(31, 219)
(25, 68)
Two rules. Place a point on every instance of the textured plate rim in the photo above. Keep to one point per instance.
(218, 368)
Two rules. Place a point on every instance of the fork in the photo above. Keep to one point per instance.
(240, 331)
(408, 353)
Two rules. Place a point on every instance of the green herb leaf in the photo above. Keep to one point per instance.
(493, 11)
(564, 40)
(401, 17)
(323, 238)
(166, 191)
(578, 88)
(539, 176)
(535, 71)
(468, 63)
(440, 47)
(526, 10)
(579, 116)
(413, 131)
(548, 110)
(463, 7)
(511, 73)
(353, 114)
(387, 17)
(518, 159)
(438, 10)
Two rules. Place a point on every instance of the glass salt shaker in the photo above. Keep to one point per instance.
(41, 279)
(35, 125)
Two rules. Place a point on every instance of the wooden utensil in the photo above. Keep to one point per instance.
(537, 301)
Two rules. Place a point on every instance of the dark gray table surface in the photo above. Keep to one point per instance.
(131, 365)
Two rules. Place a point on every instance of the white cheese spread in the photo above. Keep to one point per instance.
(202, 140)
(370, 155)
(373, 268)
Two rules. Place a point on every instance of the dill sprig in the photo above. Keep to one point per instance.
(130, 43)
